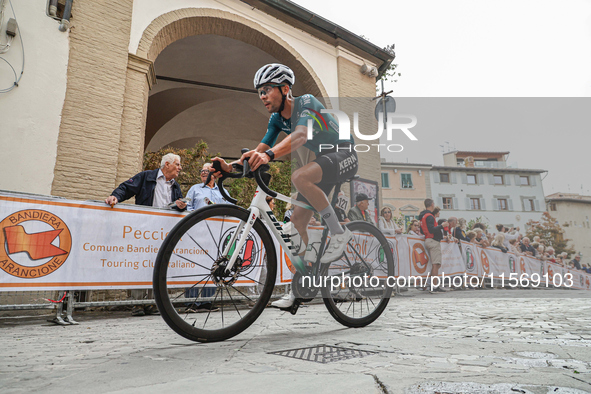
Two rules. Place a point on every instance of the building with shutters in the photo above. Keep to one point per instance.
(481, 184)
(405, 186)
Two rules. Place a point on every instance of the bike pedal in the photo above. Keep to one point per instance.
(296, 305)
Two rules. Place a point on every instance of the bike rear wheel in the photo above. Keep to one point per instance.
(197, 297)
(362, 272)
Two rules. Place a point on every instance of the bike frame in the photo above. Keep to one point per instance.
(259, 209)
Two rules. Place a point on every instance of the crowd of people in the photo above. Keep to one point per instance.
(504, 239)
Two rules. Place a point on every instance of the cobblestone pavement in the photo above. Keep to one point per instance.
(490, 341)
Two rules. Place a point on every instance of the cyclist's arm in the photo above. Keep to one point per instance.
(289, 144)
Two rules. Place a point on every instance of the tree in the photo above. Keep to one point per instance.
(549, 230)
(390, 75)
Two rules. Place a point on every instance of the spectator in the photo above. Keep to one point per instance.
(456, 231)
(444, 230)
(576, 262)
(512, 233)
(498, 242)
(387, 224)
(152, 188)
(551, 256)
(432, 240)
(527, 248)
(201, 195)
(270, 202)
(513, 246)
(414, 228)
(288, 212)
(359, 211)
(480, 238)
(541, 251)
(471, 235)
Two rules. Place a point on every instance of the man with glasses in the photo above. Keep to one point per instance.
(315, 180)
(201, 195)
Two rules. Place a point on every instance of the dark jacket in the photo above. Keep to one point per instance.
(432, 230)
(458, 233)
(142, 187)
(528, 249)
(356, 214)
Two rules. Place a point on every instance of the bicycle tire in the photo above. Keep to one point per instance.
(195, 230)
(378, 261)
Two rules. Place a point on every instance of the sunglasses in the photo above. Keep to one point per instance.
(265, 90)
(204, 172)
(385, 212)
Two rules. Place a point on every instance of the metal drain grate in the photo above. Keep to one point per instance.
(323, 353)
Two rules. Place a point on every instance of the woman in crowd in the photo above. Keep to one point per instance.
(387, 224)
(513, 246)
(414, 228)
(498, 242)
(471, 235)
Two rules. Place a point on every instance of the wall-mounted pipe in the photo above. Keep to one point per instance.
(66, 18)
(53, 8)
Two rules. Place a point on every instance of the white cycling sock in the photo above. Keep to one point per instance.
(330, 217)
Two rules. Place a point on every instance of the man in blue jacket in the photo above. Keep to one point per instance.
(153, 188)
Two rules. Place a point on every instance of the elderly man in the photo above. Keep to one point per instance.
(527, 248)
(153, 188)
(201, 195)
(359, 211)
(577, 261)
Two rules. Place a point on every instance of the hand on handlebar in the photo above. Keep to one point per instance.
(225, 166)
(255, 159)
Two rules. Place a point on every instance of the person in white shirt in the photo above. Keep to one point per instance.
(201, 195)
(386, 224)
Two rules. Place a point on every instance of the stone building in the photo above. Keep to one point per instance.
(136, 75)
(573, 211)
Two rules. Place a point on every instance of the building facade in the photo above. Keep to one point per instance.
(405, 186)
(480, 184)
(573, 213)
(138, 75)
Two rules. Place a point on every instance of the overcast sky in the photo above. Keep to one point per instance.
(503, 49)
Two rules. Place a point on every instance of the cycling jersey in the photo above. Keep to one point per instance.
(325, 128)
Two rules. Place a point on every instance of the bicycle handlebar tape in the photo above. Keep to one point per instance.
(258, 175)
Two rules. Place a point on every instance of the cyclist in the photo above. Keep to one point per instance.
(315, 180)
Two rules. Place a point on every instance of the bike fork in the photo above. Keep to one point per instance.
(245, 228)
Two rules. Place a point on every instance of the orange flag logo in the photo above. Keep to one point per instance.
(38, 245)
(14, 240)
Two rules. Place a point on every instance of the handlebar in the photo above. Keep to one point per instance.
(244, 171)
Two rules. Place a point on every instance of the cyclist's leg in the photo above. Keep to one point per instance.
(300, 219)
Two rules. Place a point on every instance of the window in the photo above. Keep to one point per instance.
(503, 204)
(499, 180)
(471, 179)
(524, 180)
(529, 204)
(385, 180)
(475, 204)
(406, 180)
(444, 177)
(448, 203)
(553, 206)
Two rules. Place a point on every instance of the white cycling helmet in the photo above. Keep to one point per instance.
(274, 73)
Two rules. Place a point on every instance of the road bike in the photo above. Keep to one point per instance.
(232, 251)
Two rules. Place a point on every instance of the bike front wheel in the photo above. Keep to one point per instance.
(362, 274)
(198, 295)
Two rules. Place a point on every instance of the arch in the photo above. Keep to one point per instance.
(178, 24)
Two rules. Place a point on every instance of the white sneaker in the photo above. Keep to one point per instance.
(336, 247)
(284, 302)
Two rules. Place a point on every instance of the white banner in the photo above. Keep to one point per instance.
(57, 244)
